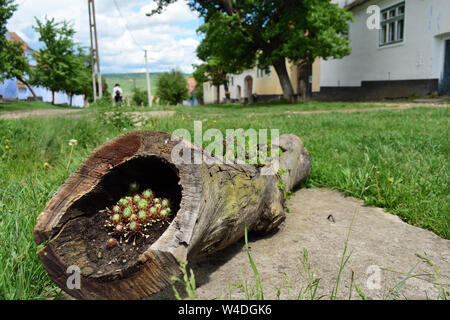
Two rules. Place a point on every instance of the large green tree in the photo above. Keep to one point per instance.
(17, 65)
(172, 87)
(219, 60)
(58, 62)
(245, 33)
(81, 82)
(13, 60)
(211, 72)
(7, 9)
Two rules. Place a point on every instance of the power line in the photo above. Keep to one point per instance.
(146, 56)
(126, 26)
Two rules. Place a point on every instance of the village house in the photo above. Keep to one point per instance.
(258, 85)
(408, 54)
(11, 89)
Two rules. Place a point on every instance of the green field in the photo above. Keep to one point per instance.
(411, 147)
(128, 80)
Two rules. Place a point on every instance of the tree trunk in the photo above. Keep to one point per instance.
(285, 82)
(304, 85)
(53, 97)
(71, 99)
(212, 205)
(28, 86)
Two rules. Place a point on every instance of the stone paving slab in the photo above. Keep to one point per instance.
(319, 221)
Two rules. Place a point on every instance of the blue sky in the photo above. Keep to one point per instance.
(170, 37)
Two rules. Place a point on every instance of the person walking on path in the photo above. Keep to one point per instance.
(117, 94)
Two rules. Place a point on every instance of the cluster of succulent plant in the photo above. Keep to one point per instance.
(133, 214)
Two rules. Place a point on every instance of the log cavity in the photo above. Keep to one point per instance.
(82, 240)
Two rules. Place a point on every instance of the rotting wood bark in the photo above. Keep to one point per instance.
(213, 204)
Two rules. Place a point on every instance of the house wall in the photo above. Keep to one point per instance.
(210, 91)
(419, 57)
(266, 86)
(316, 75)
(269, 84)
(239, 80)
(9, 89)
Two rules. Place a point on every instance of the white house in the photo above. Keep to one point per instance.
(409, 52)
(241, 87)
(406, 54)
(255, 85)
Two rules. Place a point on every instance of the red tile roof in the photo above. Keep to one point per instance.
(191, 84)
(14, 37)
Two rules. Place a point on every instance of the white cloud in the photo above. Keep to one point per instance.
(170, 37)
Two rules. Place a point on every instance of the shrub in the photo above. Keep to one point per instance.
(172, 87)
(140, 97)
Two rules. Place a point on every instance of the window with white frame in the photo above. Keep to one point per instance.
(392, 24)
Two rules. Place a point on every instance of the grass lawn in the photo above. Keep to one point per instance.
(237, 110)
(411, 147)
(22, 105)
(242, 110)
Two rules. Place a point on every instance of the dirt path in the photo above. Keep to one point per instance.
(46, 113)
(149, 114)
(387, 106)
(319, 221)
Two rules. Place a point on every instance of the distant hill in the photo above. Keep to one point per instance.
(127, 84)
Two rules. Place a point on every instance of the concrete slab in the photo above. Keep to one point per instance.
(379, 243)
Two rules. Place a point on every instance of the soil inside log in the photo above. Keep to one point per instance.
(83, 243)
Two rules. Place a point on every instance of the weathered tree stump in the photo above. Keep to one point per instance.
(212, 204)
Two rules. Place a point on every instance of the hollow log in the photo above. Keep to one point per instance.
(213, 203)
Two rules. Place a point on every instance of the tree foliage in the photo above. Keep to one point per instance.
(210, 72)
(60, 63)
(7, 9)
(172, 87)
(17, 65)
(81, 82)
(140, 97)
(13, 60)
(243, 33)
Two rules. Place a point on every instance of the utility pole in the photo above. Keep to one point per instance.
(95, 56)
(149, 93)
